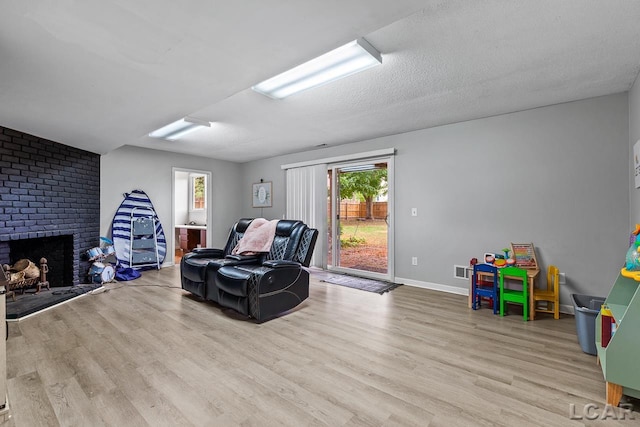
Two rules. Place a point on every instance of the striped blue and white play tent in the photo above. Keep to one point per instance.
(139, 203)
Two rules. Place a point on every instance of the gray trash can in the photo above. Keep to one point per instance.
(586, 308)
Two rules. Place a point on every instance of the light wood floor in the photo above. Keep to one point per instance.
(150, 356)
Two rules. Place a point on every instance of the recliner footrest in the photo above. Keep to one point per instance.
(233, 280)
(194, 269)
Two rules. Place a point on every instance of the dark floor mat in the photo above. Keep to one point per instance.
(369, 285)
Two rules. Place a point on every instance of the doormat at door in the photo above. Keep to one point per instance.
(369, 285)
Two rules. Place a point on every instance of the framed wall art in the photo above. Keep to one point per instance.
(262, 195)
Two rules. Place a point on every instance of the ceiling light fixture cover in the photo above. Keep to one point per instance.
(349, 59)
(179, 128)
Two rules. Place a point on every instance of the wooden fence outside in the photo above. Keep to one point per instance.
(354, 210)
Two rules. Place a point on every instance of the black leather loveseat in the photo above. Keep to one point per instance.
(259, 286)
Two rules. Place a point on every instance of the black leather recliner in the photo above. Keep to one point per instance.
(276, 285)
(199, 267)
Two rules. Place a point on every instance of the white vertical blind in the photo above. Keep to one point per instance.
(307, 201)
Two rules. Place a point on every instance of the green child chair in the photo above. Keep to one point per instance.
(518, 296)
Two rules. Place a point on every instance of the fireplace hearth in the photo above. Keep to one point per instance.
(29, 302)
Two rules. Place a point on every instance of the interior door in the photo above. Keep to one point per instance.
(360, 237)
(190, 214)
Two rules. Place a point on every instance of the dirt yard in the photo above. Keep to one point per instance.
(366, 245)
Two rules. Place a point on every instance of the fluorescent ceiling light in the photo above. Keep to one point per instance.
(179, 128)
(349, 59)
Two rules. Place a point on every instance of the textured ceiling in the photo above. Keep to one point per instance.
(98, 75)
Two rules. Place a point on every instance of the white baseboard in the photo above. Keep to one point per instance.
(433, 286)
(564, 308)
(567, 309)
(99, 290)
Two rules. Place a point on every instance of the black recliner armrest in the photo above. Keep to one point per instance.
(208, 253)
(244, 258)
(280, 263)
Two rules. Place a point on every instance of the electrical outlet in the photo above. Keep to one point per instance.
(562, 279)
(414, 260)
(414, 211)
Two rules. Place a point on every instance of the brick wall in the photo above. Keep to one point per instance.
(48, 189)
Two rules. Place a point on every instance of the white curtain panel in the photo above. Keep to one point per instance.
(307, 201)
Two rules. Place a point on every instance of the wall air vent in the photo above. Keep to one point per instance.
(461, 272)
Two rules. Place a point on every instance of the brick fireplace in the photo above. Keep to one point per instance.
(49, 204)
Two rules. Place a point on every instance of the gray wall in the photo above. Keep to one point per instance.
(634, 136)
(556, 176)
(129, 168)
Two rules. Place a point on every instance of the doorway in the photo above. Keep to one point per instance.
(360, 237)
(191, 213)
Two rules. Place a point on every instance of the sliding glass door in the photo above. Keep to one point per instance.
(360, 203)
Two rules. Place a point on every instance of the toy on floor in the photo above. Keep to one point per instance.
(101, 271)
